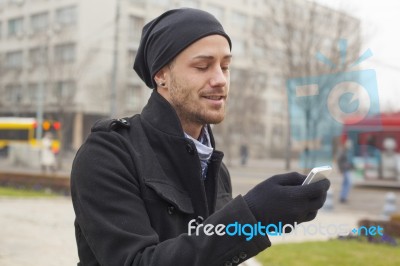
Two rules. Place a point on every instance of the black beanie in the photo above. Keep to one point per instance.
(167, 35)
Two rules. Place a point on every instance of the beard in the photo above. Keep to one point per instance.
(188, 105)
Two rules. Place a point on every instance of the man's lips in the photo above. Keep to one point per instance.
(214, 97)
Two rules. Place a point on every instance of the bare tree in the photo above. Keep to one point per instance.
(56, 75)
(12, 90)
(62, 75)
(246, 106)
(301, 30)
(285, 39)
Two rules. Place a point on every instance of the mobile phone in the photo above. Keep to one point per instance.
(317, 174)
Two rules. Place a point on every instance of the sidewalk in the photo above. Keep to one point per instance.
(40, 231)
(37, 232)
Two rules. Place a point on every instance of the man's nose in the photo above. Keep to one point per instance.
(219, 78)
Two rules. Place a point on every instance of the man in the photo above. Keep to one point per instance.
(147, 190)
(345, 166)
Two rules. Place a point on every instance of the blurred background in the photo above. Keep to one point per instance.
(310, 81)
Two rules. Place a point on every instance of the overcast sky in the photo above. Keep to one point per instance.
(380, 30)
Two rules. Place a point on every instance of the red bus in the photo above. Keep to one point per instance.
(375, 145)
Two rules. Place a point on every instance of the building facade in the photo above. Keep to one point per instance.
(74, 60)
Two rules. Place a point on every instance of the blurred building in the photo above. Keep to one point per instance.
(74, 50)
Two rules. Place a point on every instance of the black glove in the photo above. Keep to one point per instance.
(282, 198)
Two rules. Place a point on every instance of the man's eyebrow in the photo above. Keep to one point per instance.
(210, 57)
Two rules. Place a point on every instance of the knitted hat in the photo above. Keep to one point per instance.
(169, 34)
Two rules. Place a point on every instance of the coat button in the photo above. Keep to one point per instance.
(189, 149)
(123, 121)
(228, 263)
(242, 255)
(235, 259)
(171, 210)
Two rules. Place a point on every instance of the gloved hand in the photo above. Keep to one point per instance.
(282, 198)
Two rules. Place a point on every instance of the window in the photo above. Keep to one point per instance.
(135, 27)
(39, 22)
(64, 53)
(14, 60)
(64, 90)
(13, 94)
(277, 82)
(190, 3)
(239, 47)
(131, 58)
(138, 2)
(17, 2)
(66, 16)
(259, 50)
(45, 95)
(38, 56)
(32, 93)
(260, 27)
(261, 80)
(275, 107)
(280, 31)
(238, 20)
(217, 11)
(277, 55)
(133, 97)
(277, 135)
(15, 27)
(296, 59)
(14, 134)
(160, 2)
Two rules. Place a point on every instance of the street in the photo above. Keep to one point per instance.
(40, 231)
(37, 232)
(362, 199)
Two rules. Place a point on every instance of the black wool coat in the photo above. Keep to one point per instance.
(135, 189)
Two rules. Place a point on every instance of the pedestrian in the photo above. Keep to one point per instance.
(147, 190)
(47, 157)
(345, 166)
(244, 153)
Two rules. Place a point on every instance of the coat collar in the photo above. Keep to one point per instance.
(177, 168)
(160, 114)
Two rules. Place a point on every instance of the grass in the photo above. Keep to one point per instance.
(24, 193)
(331, 253)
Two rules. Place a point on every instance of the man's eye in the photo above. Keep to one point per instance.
(202, 68)
(225, 68)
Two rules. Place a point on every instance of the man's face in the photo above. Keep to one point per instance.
(197, 81)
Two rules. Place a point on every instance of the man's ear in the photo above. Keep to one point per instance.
(161, 77)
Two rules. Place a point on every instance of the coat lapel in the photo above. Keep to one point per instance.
(177, 157)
